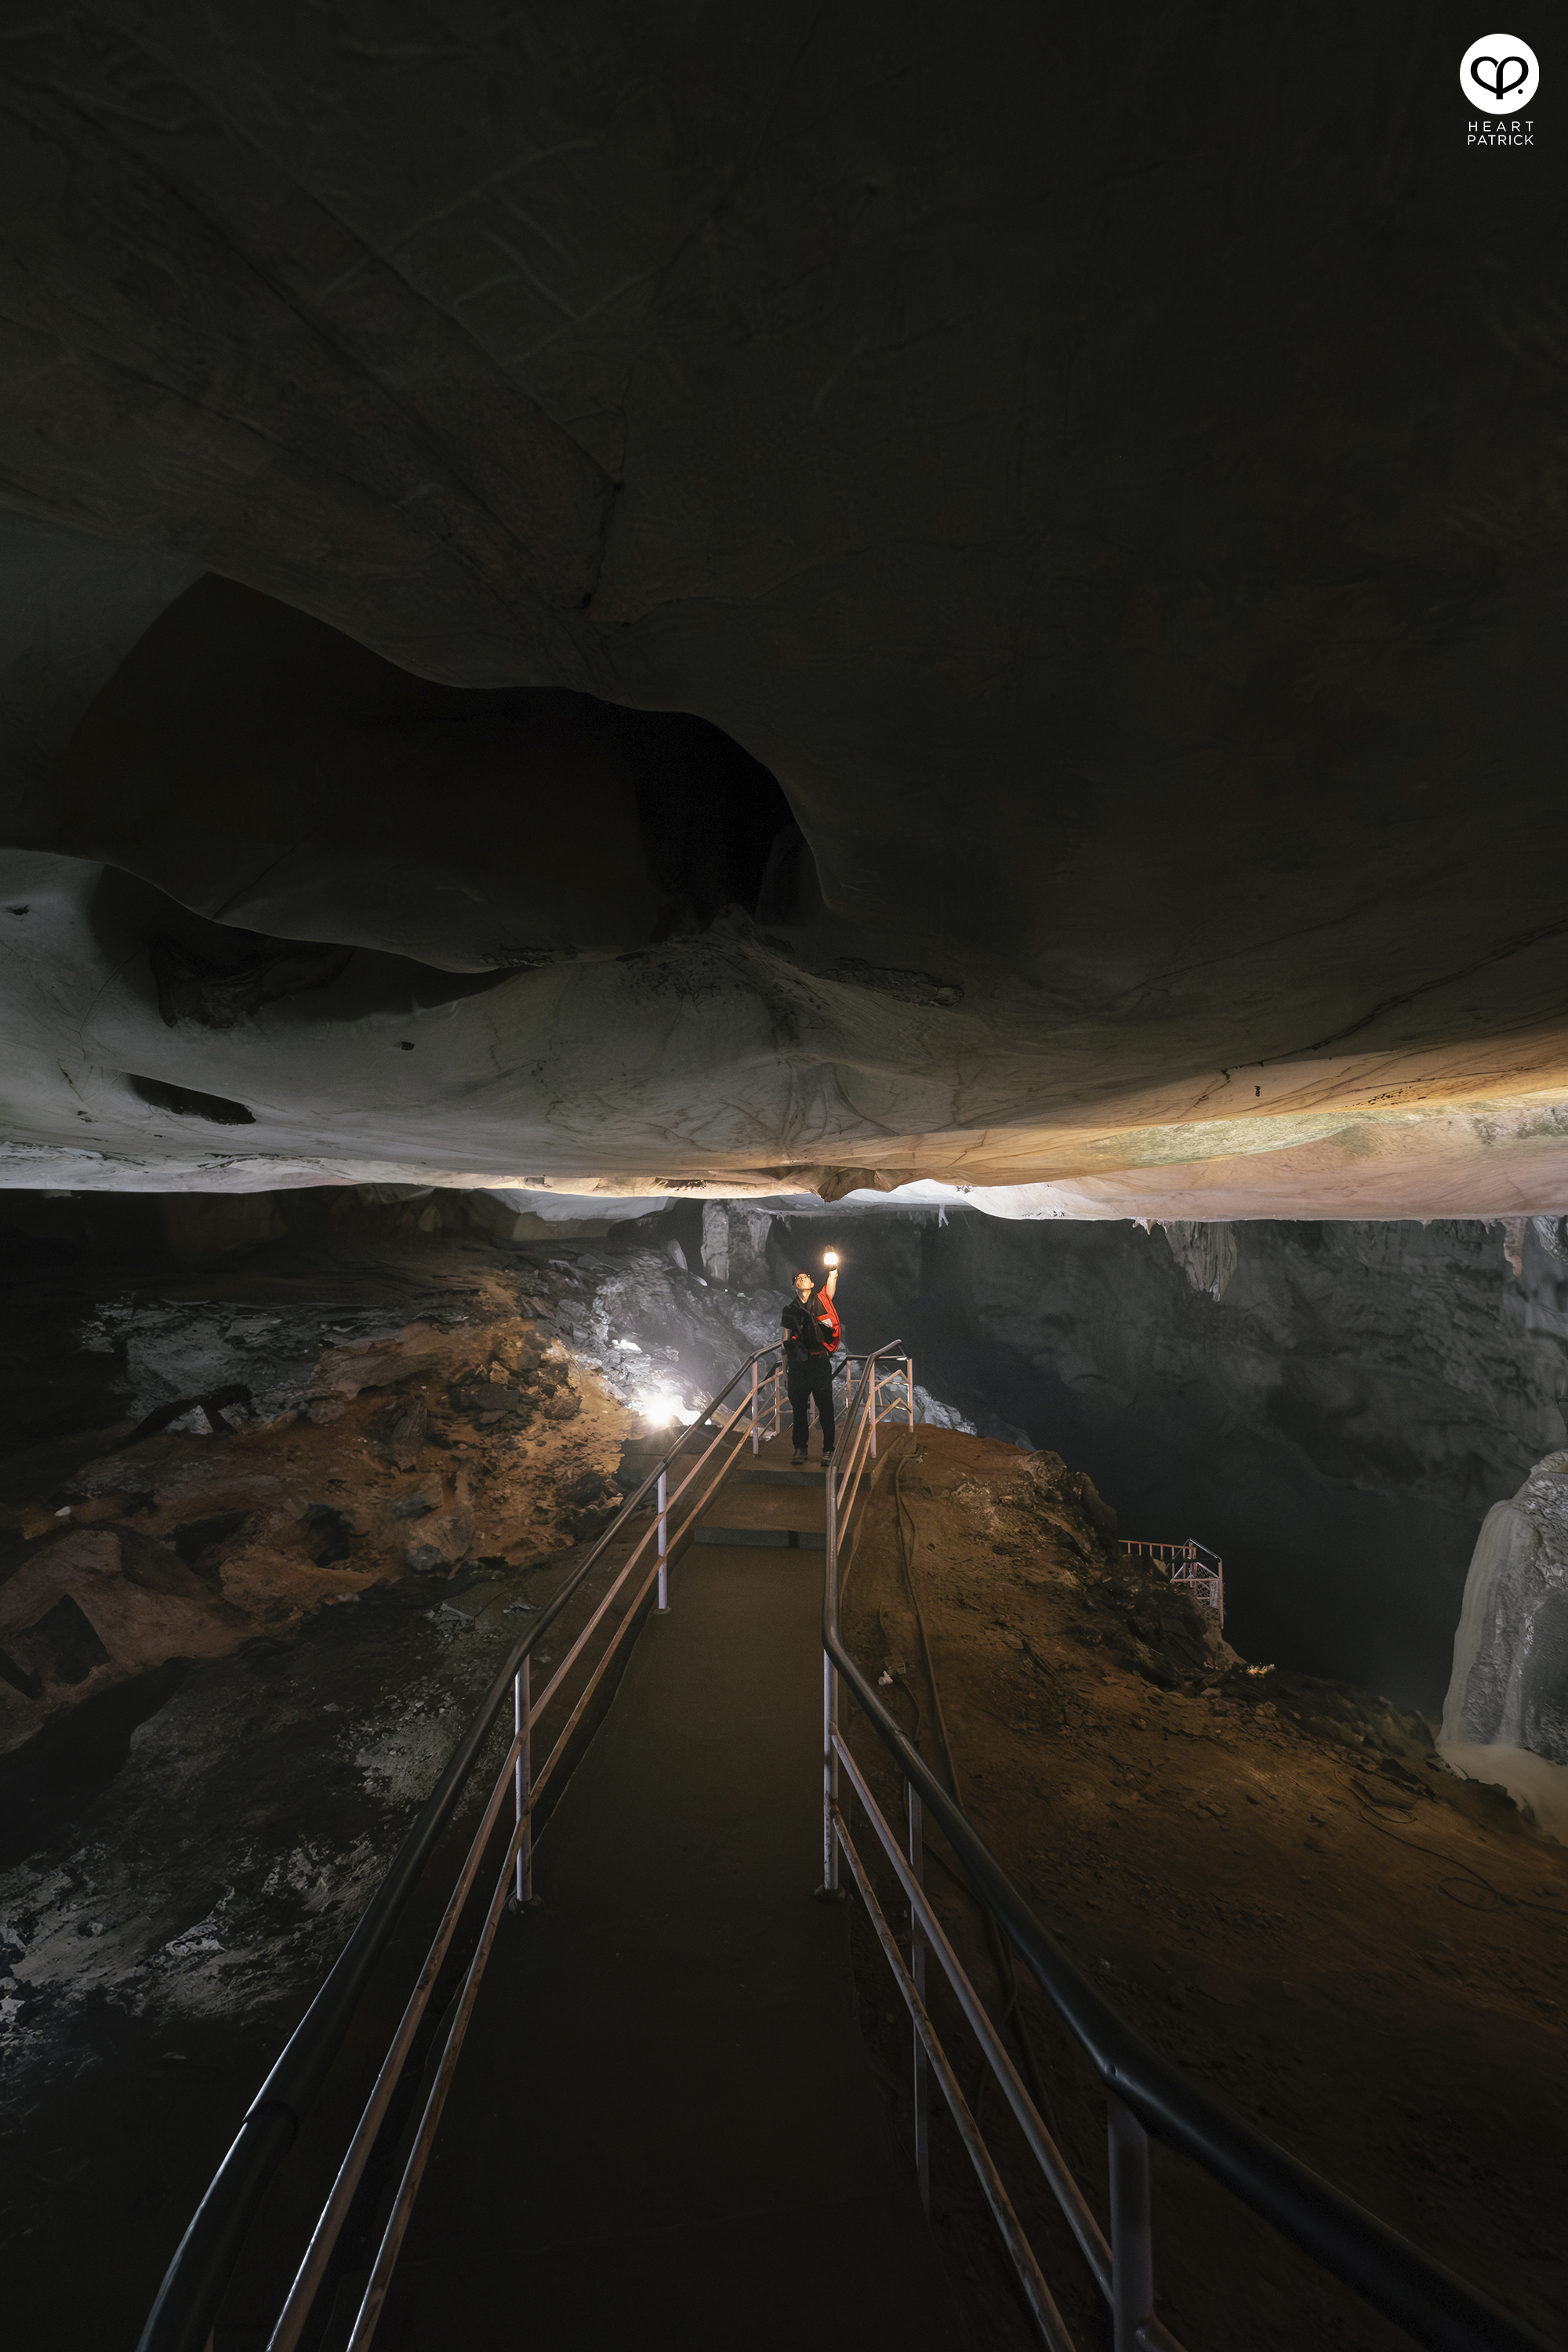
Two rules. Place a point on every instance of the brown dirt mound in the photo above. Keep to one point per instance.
(1272, 1877)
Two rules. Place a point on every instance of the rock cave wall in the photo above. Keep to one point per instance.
(1334, 1407)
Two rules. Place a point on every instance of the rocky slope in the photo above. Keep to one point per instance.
(280, 1627)
(243, 1506)
(1274, 1878)
(202, 1457)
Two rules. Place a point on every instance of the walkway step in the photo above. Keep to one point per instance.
(736, 1505)
(783, 1538)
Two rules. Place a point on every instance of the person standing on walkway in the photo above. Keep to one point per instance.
(811, 1334)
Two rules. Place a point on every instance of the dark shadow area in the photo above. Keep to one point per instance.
(46, 1784)
(189, 1102)
(270, 795)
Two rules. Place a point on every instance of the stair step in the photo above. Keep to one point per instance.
(782, 1539)
(780, 1478)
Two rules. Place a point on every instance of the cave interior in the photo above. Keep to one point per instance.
(642, 653)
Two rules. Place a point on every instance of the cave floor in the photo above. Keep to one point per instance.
(1369, 1974)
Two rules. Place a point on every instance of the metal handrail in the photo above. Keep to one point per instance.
(183, 2315)
(519, 1853)
(1204, 1579)
(839, 1488)
(1146, 2093)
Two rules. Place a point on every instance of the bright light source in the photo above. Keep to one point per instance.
(659, 1412)
(830, 1258)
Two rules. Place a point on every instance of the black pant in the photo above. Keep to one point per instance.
(811, 1376)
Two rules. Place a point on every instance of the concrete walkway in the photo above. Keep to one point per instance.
(665, 2128)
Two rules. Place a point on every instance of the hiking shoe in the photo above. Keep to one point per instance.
(796, 1459)
(826, 1455)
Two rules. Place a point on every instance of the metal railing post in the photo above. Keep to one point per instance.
(829, 1887)
(756, 1434)
(918, 1972)
(1131, 2243)
(663, 1609)
(523, 1731)
(910, 1385)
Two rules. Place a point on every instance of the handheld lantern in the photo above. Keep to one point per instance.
(830, 1258)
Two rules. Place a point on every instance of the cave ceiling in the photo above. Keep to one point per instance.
(633, 598)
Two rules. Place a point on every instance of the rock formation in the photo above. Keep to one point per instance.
(1509, 1685)
(1336, 1422)
(675, 606)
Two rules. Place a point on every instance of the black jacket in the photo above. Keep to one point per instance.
(803, 1335)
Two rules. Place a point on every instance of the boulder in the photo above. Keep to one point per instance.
(441, 1541)
(377, 1363)
(61, 1646)
(144, 1561)
(399, 1430)
(587, 1503)
(200, 1542)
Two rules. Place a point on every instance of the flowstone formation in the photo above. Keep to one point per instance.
(1511, 1653)
(675, 605)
